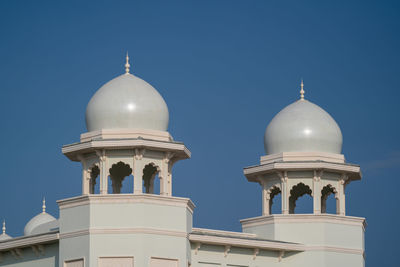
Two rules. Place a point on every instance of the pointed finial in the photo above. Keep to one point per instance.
(302, 90)
(4, 227)
(44, 205)
(127, 66)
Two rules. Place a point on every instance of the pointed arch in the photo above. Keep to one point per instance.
(272, 192)
(94, 172)
(118, 172)
(296, 192)
(325, 193)
(150, 171)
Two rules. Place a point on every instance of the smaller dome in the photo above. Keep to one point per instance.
(303, 127)
(4, 236)
(41, 223)
(34, 226)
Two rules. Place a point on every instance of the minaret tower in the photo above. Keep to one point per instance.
(303, 145)
(127, 139)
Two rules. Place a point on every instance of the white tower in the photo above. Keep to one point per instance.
(127, 138)
(303, 144)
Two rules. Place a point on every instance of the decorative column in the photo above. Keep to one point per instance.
(341, 208)
(316, 192)
(85, 178)
(103, 172)
(165, 176)
(285, 193)
(169, 179)
(265, 199)
(138, 171)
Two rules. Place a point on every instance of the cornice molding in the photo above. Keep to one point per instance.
(27, 241)
(199, 239)
(126, 198)
(126, 133)
(72, 150)
(245, 243)
(108, 231)
(304, 218)
(302, 156)
(253, 172)
(221, 232)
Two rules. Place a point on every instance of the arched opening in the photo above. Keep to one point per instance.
(118, 172)
(297, 192)
(94, 187)
(151, 181)
(275, 201)
(329, 203)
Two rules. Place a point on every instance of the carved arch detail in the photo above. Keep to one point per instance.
(271, 193)
(297, 191)
(150, 171)
(94, 173)
(325, 193)
(118, 172)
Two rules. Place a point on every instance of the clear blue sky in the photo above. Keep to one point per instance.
(225, 68)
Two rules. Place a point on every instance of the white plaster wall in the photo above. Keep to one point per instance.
(74, 219)
(141, 246)
(74, 248)
(129, 215)
(312, 233)
(126, 226)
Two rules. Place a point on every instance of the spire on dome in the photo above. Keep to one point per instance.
(127, 65)
(44, 205)
(302, 90)
(4, 227)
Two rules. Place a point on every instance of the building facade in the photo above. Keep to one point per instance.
(146, 226)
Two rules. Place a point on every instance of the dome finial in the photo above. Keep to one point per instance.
(127, 66)
(4, 227)
(44, 205)
(302, 90)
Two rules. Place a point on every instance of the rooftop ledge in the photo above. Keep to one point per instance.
(30, 240)
(72, 151)
(302, 161)
(304, 218)
(236, 239)
(125, 198)
(126, 133)
(303, 156)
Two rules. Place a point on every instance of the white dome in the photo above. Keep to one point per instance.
(4, 237)
(303, 127)
(127, 102)
(41, 223)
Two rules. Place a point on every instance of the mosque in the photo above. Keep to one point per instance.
(146, 226)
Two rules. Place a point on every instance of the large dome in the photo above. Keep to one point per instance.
(303, 127)
(127, 102)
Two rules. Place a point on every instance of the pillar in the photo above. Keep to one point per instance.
(85, 174)
(265, 199)
(138, 167)
(285, 192)
(103, 172)
(137, 175)
(164, 186)
(341, 206)
(169, 179)
(316, 192)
